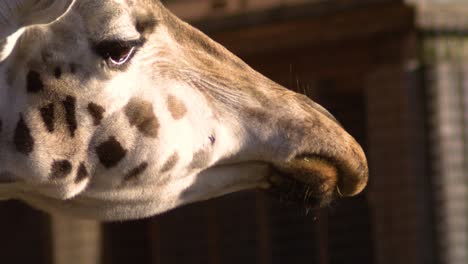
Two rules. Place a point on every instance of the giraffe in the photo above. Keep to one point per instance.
(116, 110)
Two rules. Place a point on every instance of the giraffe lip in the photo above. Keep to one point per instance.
(308, 180)
(338, 176)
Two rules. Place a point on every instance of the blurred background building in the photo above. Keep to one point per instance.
(394, 73)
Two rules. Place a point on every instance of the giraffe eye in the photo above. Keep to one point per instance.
(120, 55)
(117, 53)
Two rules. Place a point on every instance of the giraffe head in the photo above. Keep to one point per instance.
(116, 109)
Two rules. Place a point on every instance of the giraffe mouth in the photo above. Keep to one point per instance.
(308, 180)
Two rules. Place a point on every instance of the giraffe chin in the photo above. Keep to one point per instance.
(308, 181)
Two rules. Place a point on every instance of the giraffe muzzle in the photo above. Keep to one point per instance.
(327, 162)
(315, 181)
(333, 176)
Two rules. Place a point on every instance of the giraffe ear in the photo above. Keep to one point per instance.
(17, 14)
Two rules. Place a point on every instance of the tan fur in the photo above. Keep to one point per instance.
(119, 110)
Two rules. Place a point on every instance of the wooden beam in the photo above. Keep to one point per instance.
(256, 11)
(339, 26)
(75, 240)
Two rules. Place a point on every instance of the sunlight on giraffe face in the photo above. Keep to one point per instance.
(119, 110)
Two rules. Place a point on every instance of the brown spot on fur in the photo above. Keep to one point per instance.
(82, 173)
(48, 116)
(23, 139)
(140, 114)
(133, 174)
(170, 163)
(97, 112)
(70, 114)
(176, 107)
(34, 83)
(145, 24)
(60, 169)
(200, 159)
(110, 153)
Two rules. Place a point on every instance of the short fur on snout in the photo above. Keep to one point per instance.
(116, 109)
